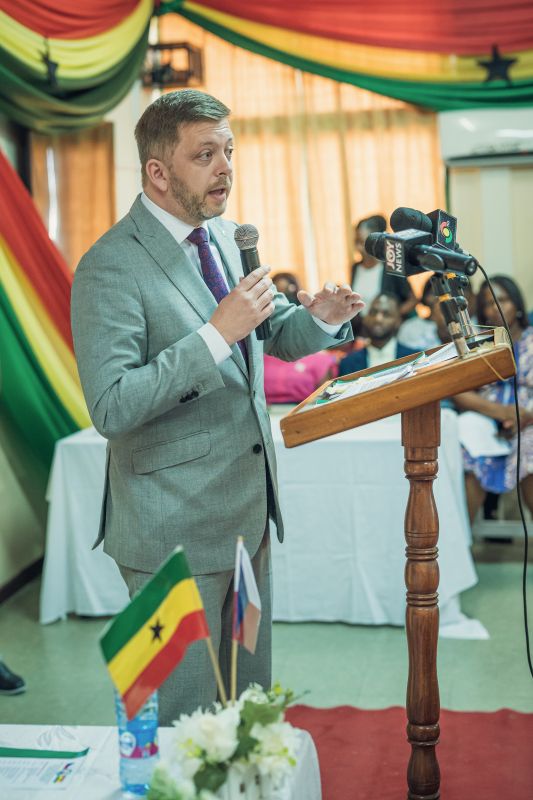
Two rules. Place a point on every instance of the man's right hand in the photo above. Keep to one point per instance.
(245, 307)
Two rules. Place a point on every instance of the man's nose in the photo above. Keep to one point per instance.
(224, 165)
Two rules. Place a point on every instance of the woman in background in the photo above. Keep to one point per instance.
(497, 474)
(293, 381)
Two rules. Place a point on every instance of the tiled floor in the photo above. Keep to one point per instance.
(333, 664)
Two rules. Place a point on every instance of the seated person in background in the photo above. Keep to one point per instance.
(381, 324)
(287, 284)
(497, 474)
(421, 333)
(10, 683)
(292, 382)
(369, 276)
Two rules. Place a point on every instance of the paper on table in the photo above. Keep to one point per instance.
(444, 354)
(479, 435)
(341, 389)
(52, 761)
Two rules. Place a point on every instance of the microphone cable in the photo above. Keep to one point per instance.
(518, 492)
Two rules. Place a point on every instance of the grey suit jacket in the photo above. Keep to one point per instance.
(188, 440)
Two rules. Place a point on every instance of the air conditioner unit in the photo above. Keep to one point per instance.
(486, 136)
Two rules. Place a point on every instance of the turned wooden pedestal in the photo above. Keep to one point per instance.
(421, 438)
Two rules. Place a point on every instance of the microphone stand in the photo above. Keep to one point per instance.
(454, 312)
(456, 283)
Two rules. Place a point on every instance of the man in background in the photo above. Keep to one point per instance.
(381, 324)
(163, 323)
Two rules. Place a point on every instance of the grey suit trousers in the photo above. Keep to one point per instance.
(193, 683)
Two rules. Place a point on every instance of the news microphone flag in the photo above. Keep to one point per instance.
(146, 641)
(246, 601)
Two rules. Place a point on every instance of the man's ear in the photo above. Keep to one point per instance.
(157, 174)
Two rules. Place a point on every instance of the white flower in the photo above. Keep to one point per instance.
(255, 694)
(214, 734)
(276, 750)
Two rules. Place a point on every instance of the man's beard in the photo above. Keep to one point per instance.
(193, 204)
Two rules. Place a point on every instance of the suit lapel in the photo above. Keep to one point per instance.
(167, 253)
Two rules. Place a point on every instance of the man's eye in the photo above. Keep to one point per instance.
(229, 153)
(206, 155)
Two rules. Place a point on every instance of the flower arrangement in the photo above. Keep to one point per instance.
(242, 750)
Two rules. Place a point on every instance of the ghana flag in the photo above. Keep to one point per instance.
(145, 642)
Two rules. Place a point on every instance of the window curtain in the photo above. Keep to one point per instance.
(313, 156)
(72, 180)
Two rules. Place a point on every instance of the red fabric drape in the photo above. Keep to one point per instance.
(463, 27)
(68, 19)
(40, 260)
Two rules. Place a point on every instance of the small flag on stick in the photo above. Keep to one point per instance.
(246, 609)
(146, 641)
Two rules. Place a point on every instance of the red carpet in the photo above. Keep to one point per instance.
(363, 754)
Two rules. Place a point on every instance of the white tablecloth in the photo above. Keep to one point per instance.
(343, 500)
(100, 780)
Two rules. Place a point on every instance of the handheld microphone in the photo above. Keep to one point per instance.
(246, 238)
(410, 251)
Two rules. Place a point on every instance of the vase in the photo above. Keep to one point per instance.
(244, 782)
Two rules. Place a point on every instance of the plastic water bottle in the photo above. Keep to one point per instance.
(138, 746)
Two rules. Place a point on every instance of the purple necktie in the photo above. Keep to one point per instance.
(212, 276)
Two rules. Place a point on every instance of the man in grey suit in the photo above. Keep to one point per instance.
(172, 372)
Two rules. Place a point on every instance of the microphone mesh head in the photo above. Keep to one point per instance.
(246, 237)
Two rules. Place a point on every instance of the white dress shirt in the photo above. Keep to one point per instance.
(382, 355)
(218, 347)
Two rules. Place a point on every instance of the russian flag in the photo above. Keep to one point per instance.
(246, 602)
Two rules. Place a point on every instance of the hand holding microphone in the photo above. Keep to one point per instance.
(246, 238)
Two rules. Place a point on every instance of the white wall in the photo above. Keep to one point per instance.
(494, 207)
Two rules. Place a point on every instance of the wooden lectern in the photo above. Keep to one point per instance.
(417, 399)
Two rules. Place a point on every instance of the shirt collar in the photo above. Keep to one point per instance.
(179, 229)
(389, 349)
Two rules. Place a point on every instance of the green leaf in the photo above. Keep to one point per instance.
(211, 776)
(163, 787)
(263, 713)
(246, 745)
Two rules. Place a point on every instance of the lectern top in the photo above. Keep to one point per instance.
(487, 363)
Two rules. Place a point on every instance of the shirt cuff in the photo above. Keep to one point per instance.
(216, 344)
(332, 330)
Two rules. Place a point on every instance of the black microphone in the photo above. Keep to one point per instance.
(439, 223)
(246, 238)
(411, 251)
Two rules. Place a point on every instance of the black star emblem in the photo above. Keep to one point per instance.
(156, 629)
(51, 66)
(498, 67)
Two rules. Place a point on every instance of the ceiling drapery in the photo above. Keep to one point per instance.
(40, 385)
(64, 65)
(460, 54)
(61, 68)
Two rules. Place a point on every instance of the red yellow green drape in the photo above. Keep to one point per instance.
(461, 54)
(64, 64)
(60, 69)
(40, 388)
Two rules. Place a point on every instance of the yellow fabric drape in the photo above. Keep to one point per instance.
(314, 156)
(51, 351)
(77, 58)
(380, 61)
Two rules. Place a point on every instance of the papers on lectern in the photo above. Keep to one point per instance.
(343, 388)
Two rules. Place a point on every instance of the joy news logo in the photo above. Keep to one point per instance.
(446, 231)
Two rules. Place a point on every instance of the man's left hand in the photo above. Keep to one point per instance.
(332, 304)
